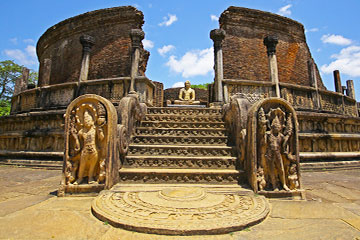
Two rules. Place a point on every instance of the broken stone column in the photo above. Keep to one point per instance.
(313, 81)
(270, 42)
(337, 81)
(218, 35)
(137, 35)
(22, 81)
(45, 72)
(350, 89)
(87, 42)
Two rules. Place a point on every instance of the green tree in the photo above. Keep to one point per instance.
(9, 72)
(201, 86)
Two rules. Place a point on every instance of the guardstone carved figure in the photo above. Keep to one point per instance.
(91, 157)
(275, 157)
(272, 160)
(274, 141)
(87, 133)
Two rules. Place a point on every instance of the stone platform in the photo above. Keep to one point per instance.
(174, 210)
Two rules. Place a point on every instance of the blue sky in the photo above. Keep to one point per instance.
(177, 33)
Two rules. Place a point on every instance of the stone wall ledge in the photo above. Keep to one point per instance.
(327, 155)
(7, 153)
(335, 117)
(43, 97)
(32, 133)
(349, 136)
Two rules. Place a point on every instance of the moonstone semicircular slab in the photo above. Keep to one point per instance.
(180, 211)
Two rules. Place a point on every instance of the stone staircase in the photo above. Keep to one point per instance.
(181, 145)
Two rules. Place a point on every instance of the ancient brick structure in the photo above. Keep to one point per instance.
(266, 116)
(244, 53)
(158, 94)
(60, 47)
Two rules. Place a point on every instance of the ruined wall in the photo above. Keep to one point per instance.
(60, 52)
(158, 94)
(244, 54)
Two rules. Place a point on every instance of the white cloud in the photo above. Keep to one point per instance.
(165, 49)
(312, 30)
(178, 84)
(148, 44)
(168, 20)
(27, 57)
(347, 62)
(13, 40)
(335, 39)
(31, 51)
(214, 18)
(193, 63)
(285, 11)
(29, 40)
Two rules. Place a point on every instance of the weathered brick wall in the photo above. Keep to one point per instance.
(110, 56)
(158, 94)
(244, 54)
(173, 94)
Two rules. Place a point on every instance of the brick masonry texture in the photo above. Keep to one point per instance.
(244, 54)
(110, 56)
(158, 94)
(173, 94)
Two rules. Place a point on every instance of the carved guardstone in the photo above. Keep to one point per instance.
(90, 159)
(272, 149)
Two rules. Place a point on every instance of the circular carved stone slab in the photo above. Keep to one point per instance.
(179, 211)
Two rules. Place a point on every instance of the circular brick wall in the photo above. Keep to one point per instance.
(110, 56)
(244, 54)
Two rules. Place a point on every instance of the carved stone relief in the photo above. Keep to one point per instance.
(90, 147)
(272, 150)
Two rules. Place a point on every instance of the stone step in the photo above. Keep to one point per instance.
(179, 140)
(180, 162)
(42, 164)
(175, 150)
(160, 124)
(185, 132)
(183, 118)
(198, 176)
(184, 111)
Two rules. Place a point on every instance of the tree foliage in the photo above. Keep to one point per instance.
(201, 86)
(9, 72)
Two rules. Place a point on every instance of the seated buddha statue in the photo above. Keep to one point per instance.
(187, 96)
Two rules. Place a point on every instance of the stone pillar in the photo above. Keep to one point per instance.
(217, 35)
(337, 81)
(350, 89)
(270, 42)
(22, 81)
(87, 42)
(313, 81)
(45, 72)
(137, 35)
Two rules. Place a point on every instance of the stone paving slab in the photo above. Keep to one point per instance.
(70, 221)
(17, 204)
(308, 210)
(29, 210)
